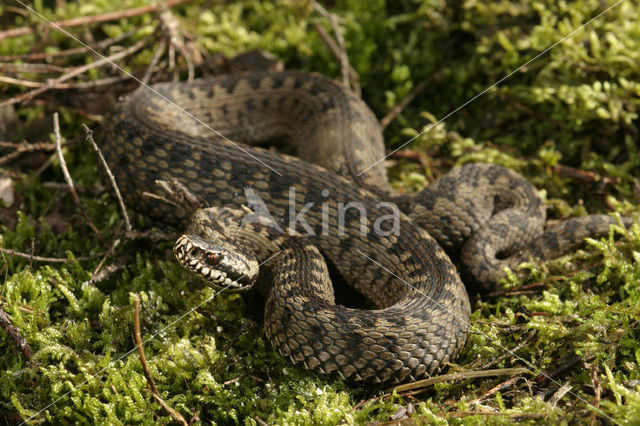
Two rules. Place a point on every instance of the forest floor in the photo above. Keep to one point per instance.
(555, 343)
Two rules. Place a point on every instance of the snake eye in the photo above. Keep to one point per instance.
(212, 259)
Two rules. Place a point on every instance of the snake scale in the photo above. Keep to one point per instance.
(486, 216)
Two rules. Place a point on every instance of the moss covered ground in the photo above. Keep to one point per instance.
(567, 120)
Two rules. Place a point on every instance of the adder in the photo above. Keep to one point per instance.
(486, 216)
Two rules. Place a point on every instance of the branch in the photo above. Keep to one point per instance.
(29, 67)
(89, 134)
(81, 85)
(63, 163)
(47, 259)
(21, 148)
(39, 56)
(94, 19)
(524, 342)
(396, 110)
(67, 176)
(350, 77)
(76, 71)
(14, 335)
(504, 385)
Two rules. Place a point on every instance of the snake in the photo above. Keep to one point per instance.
(212, 136)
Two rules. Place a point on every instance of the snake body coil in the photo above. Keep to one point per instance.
(485, 211)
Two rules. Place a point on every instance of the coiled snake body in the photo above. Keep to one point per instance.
(482, 211)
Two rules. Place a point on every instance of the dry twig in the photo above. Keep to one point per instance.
(20, 82)
(41, 56)
(75, 72)
(527, 110)
(504, 385)
(138, 336)
(67, 176)
(513, 416)
(32, 257)
(538, 284)
(93, 19)
(461, 376)
(409, 155)
(63, 163)
(152, 65)
(23, 307)
(109, 252)
(21, 148)
(26, 67)
(175, 41)
(66, 86)
(178, 196)
(519, 346)
(400, 106)
(350, 77)
(597, 389)
(557, 396)
(585, 176)
(260, 421)
(102, 272)
(176, 416)
(112, 179)
(340, 48)
(14, 335)
(544, 379)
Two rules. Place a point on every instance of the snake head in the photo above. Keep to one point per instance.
(219, 266)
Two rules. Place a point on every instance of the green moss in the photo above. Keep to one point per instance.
(575, 106)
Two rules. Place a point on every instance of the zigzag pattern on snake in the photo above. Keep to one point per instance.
(487, 216)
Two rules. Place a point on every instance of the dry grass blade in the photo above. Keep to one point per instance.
(461, 376)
